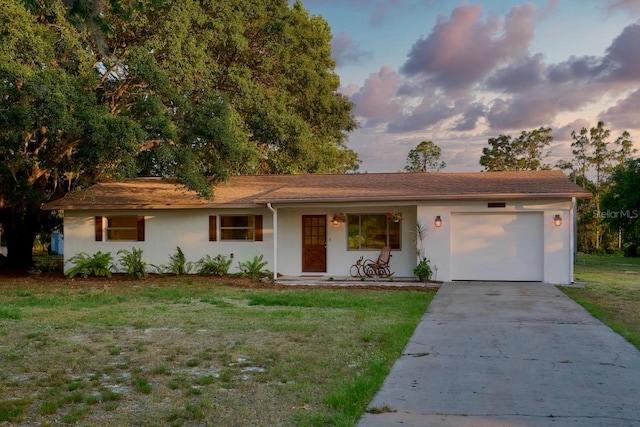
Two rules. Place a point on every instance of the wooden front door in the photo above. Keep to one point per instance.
(314, 243)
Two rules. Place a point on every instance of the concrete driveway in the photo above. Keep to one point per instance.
(510, 354)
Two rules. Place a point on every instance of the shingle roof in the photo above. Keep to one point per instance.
(247, 191)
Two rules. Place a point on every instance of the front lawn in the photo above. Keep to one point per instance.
(188, 351)
(611, 292)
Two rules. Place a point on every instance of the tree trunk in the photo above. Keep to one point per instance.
(20, 230)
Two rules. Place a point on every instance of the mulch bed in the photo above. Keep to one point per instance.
(58, 279)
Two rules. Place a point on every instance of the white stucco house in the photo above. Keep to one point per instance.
(499, 226)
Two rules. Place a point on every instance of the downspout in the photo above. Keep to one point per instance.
(573, 228)
(274, 211)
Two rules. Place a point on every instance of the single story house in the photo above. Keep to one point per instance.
(502, 226)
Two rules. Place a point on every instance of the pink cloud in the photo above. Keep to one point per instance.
(632, 6)
(623, 55)
(563, 133)
(549, 9)
(350, 90)
(626, 113)
(540, 92)
(345, 51)
(470, 117)
(462, 49)
(620, 64)
(375, 99)
(520, 112)
(431, 111)
(522, 74)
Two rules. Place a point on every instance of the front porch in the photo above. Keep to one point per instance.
(354, 282)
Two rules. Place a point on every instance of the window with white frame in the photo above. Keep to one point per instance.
(372, 231)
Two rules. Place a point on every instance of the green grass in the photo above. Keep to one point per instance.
(611, 292)
(142, 385)
(10, 313)
(14, 410)
(188, 350)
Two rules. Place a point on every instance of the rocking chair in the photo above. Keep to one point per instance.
(380, 267)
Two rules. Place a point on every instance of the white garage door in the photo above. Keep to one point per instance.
(497, 246)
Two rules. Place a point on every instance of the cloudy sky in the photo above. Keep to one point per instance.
(460, 72)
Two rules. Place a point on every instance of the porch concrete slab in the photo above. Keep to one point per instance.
(342, 281)
(510, 354)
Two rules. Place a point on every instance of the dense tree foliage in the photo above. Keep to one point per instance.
(425, 158)
(193, 89)
(596, 158)
(621, 205)
(526, 152)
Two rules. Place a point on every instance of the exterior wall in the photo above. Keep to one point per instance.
(164, 231)
(167, 229)
(557, 259)
(339, 258)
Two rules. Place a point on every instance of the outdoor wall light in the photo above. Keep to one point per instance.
(557, 220)
(338, 219)
(438, 221)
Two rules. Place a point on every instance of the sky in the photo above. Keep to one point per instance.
(460, 72)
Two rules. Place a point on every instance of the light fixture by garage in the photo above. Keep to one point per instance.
(557, 220)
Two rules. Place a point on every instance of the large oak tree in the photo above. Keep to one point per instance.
(193, 89)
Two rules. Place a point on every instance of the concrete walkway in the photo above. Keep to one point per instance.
(510, 354)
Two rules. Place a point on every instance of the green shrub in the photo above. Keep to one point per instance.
(631, 251)
(178, 263)
(218, 265)
(132, 262)
(86, 265)
(253, 268)
(45, 264)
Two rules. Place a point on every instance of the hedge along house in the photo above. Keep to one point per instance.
(503, 226)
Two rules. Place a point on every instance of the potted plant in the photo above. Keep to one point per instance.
(339, 218)
(423, 270)
(394, 216)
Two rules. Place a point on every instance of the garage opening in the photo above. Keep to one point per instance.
(497, 246)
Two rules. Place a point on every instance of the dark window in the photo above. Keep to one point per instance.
(98, 228)
(241, 227)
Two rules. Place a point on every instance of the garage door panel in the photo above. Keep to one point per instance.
(504, 246)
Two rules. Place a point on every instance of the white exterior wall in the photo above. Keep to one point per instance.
(339, 258)
(558, 243)
(164, 231)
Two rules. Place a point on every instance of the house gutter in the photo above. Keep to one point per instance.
(274, 211)
(574, 236)
(438, 197)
